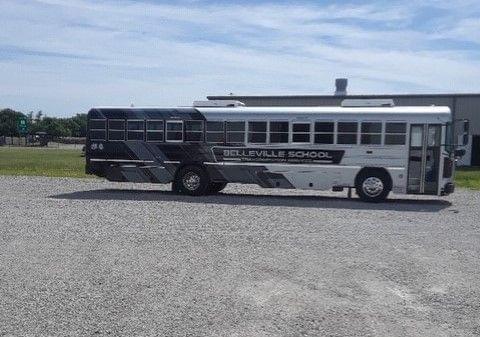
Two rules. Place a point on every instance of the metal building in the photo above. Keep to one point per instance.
(463, 106)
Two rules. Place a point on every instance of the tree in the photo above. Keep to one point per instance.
(8, 122)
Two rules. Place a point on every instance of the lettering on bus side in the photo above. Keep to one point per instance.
(244, 154)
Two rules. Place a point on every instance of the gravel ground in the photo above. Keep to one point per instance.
(83, 257)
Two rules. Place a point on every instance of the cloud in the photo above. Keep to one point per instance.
(65, 56)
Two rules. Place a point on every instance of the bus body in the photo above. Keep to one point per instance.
(199, 149)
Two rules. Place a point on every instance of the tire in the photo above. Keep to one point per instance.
(191, 180)
(372, 186)
(216, 187)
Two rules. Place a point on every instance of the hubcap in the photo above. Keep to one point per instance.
(372, 186)
(191, 181)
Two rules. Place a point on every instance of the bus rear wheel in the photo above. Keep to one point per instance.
(216, 187)
(372, 186)
(191, 180)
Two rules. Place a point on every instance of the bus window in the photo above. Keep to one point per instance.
(395, 133)
(174, 131)
(116, 129)
(193, 131)
(257, 132)
(371, 133)
(278, 132)
(347, 133)
(324, 132)
(235, 132)
(215, 132)
(97, 129)
(301, 133)
(154, 130)
(135, 129)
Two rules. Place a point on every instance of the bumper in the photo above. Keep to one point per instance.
(448, 188)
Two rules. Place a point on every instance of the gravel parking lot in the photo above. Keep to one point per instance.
(85, 257)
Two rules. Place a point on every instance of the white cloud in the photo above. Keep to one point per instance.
(65, 56)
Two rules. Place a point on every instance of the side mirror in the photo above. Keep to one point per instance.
(459, 153)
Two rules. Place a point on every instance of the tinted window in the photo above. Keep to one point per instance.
(215, 126)
(215, 137)
(324, 138)
(154, 136)
(324, 132)
(395, 133)
(154, 131)
(257, 126)
(235, 132)
(174, 126)
(97, 124)
(235, 126)
(278, 126)
(97, 135)
(323, 126)
(301, 127)
(193, 131)
(257, 137)
(279, 137)
(371, 127)
(371, 139)
(395, 139)
(347, 127)
(116, 124)
(347, 138)
(301, 138)
(116, 135)
(174, 131)
(278, 132)
(155, 125)
(396, 128)
(257, 132)
(215, 132)
(301, 133)
(193, 126)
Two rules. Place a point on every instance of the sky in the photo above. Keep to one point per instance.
(63, 57)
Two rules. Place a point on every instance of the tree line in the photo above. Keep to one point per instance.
(75, 126)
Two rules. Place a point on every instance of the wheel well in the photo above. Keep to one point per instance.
(370, 170)
(183, 165)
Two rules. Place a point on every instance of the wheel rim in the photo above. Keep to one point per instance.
(372, 186)
(191, 181)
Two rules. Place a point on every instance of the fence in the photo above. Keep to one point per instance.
(56, 142)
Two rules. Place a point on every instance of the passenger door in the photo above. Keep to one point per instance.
(424, 158)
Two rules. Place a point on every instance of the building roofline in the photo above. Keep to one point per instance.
(359, 96)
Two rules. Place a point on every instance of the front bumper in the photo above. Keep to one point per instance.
(448, 188)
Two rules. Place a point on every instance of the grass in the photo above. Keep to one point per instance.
(42, 162)
(468, 177)
(69, 163)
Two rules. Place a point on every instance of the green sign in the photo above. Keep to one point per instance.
(22, 125)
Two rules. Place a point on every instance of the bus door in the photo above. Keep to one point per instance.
(424, 158)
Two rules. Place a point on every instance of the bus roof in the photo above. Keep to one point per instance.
(241, 112)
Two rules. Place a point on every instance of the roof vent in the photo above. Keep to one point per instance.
(219, 103)
(367, 103)
(341, 86)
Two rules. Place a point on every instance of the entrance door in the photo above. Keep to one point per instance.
(475, 151)
(424, 158)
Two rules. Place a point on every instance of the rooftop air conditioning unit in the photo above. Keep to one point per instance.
(219, 103)
(368, 103)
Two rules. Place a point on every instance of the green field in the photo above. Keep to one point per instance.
(468, 177)
(69, 163)
(42, 162)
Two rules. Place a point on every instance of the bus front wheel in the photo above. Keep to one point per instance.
(191, 180)
(372, 186)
